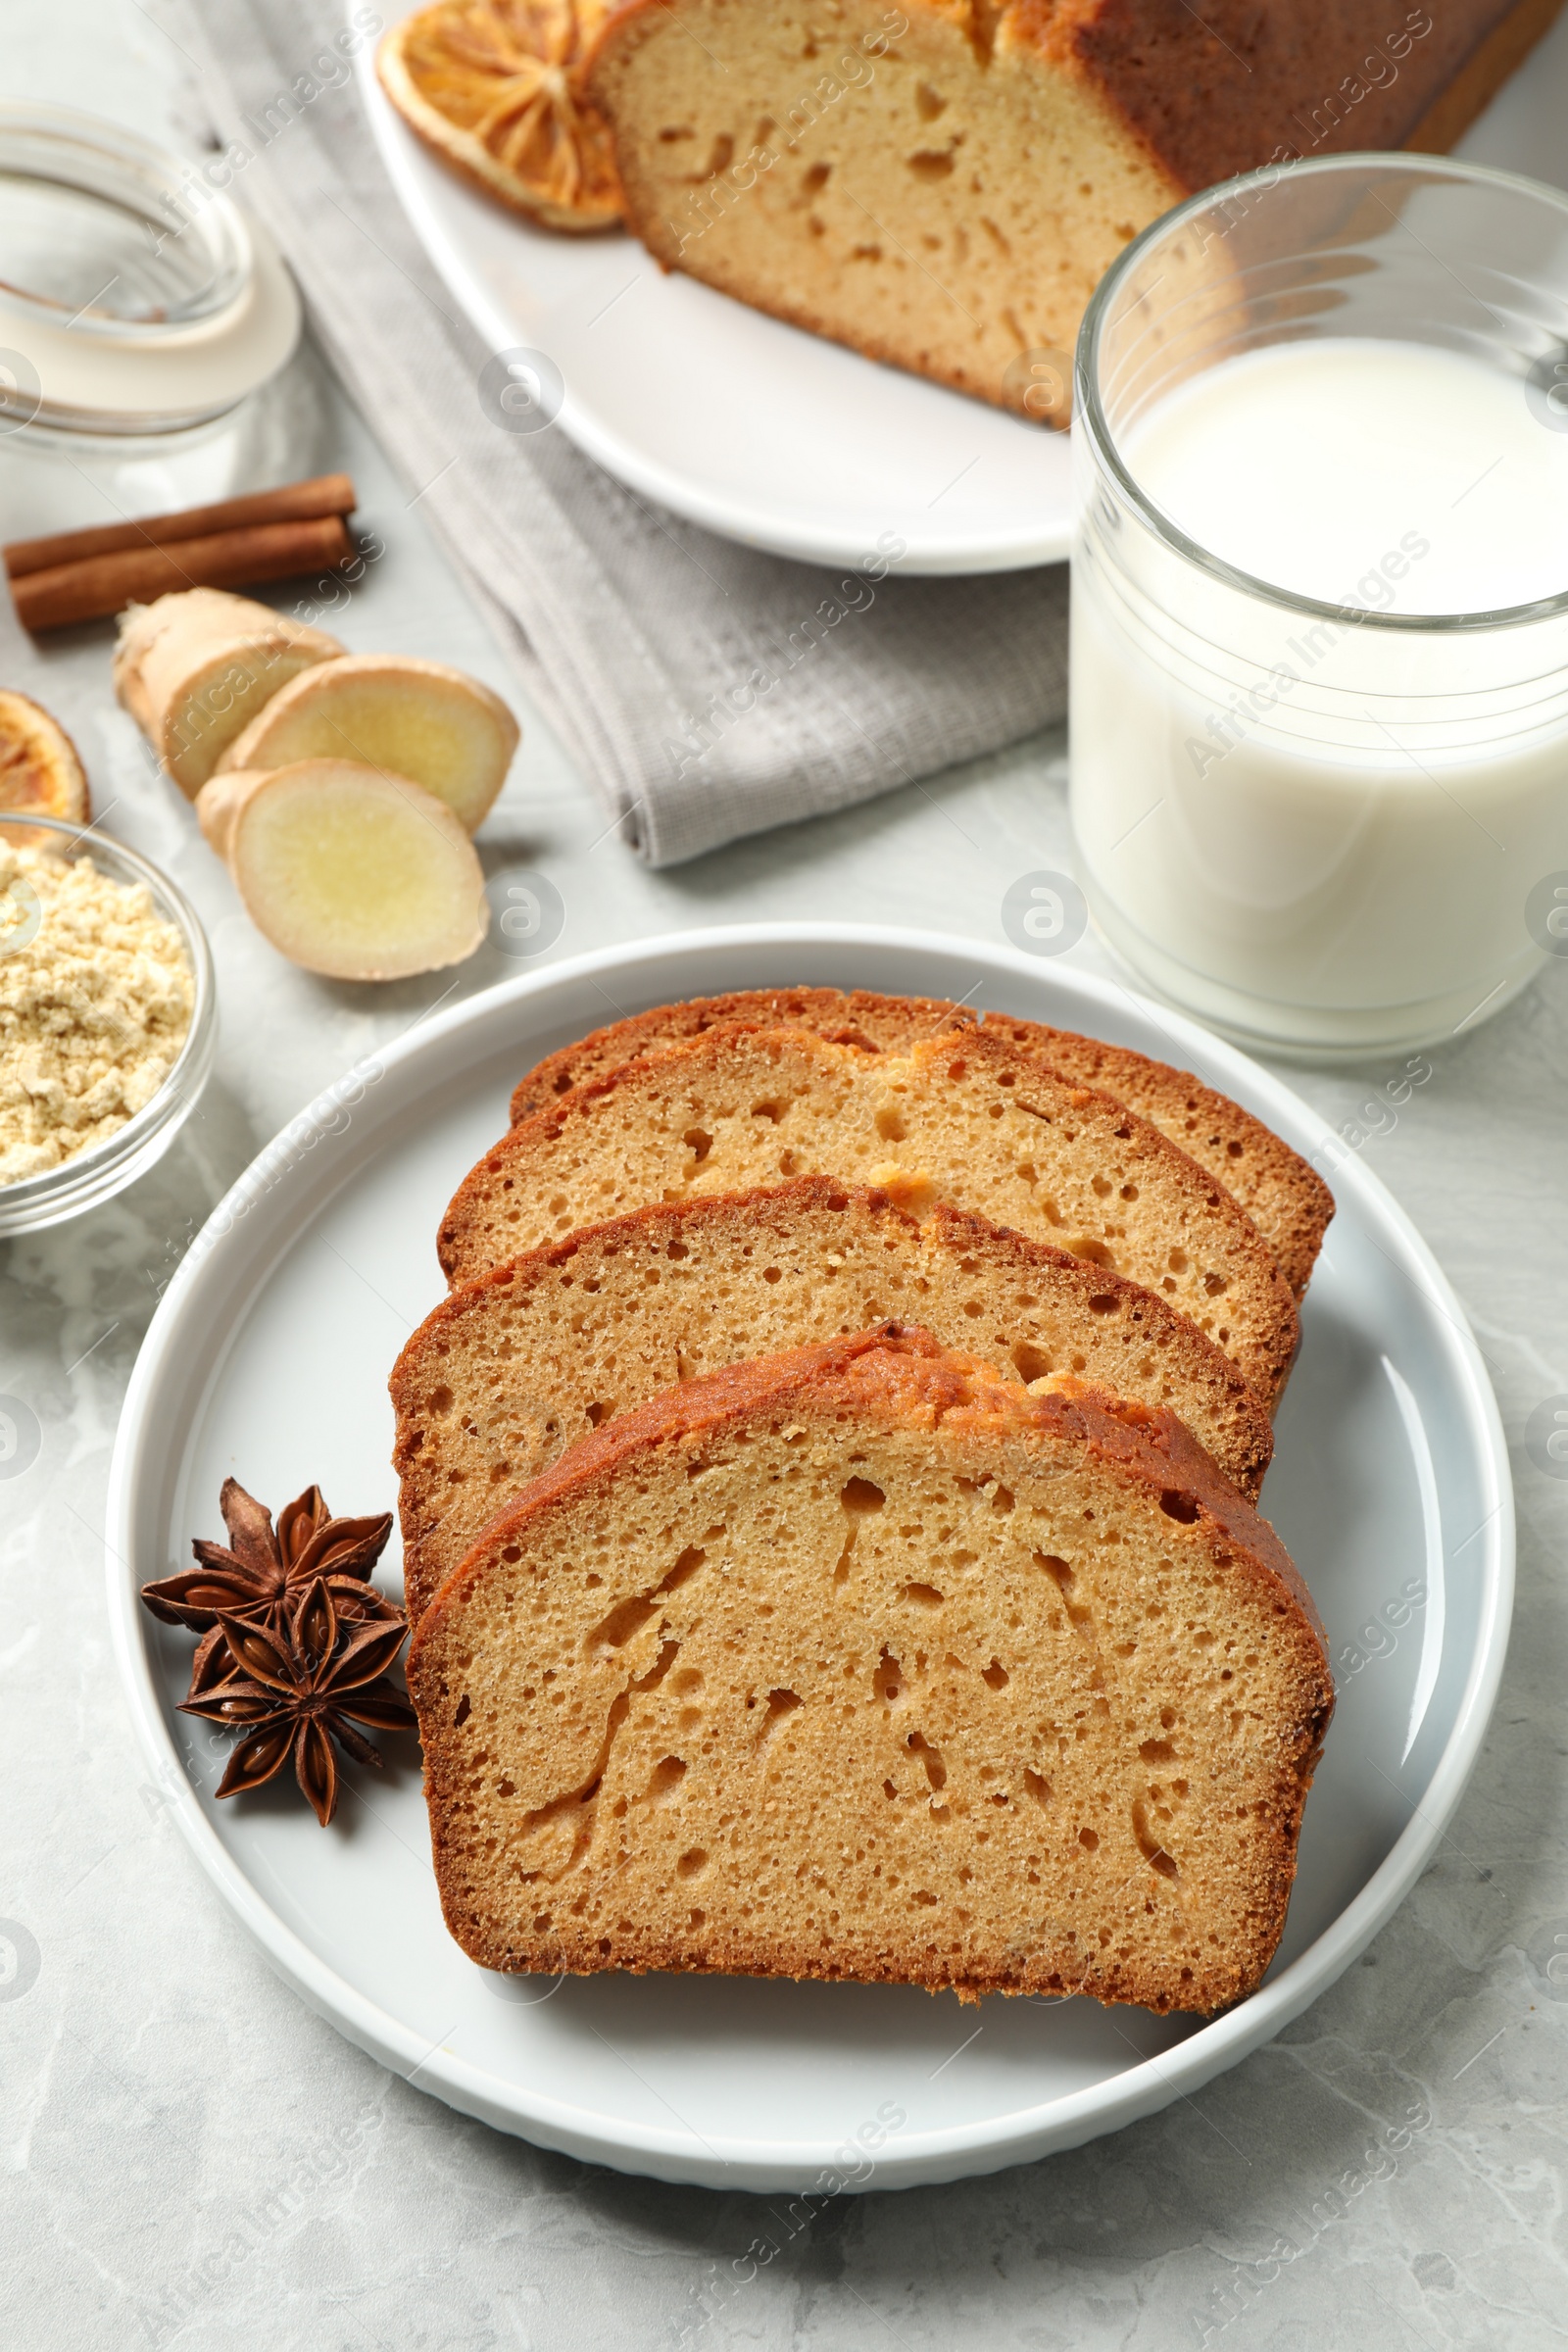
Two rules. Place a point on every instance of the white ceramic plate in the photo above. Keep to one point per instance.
(754, 429)
(769, 435)
(268, 1357)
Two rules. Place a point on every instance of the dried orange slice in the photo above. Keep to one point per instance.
(495, 87)
(40, 774)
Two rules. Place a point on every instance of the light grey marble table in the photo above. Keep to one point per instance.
(189, 2157)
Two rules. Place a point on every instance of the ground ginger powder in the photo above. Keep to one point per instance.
(96, 991)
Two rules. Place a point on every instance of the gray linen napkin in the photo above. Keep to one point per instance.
(707, 691)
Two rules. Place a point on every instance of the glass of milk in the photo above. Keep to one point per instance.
(1319, 702)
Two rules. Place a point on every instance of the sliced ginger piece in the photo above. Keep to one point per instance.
(494, 87)
(193, 669)
(220, 799)
(40, 773)
(353, 874)
(393, 711)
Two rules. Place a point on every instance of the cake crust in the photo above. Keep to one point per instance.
(1242, 85)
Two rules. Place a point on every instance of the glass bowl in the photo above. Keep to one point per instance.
(96, 1175)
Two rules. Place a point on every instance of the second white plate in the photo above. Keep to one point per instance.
(754, 429)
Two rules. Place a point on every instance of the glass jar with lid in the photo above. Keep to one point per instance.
(149, 333)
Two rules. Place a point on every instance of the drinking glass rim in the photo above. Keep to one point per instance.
(1088, 410)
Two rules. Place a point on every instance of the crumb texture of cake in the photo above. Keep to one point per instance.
(941, 184)
(1285, 1199)
(861, 1662)
(964, 1118)
(905, 192)
(514, 1368)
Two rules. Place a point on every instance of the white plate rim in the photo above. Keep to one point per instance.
(756, 523)
(934, 2156)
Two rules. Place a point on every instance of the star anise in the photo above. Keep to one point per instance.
(295, 1689)
(260, 1577)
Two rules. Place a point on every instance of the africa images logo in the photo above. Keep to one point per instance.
(1045, 913)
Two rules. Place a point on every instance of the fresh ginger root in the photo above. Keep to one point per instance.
(395, 712)
(195, 666)
(340, 789)
(348, 870)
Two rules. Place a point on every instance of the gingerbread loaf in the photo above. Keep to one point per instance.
(514, 1367)
(942, 184)
(964, 1118)
(1285, 1199)
(862, 1662)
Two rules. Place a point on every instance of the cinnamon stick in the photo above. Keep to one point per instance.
(98, 585)
(295, 502)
